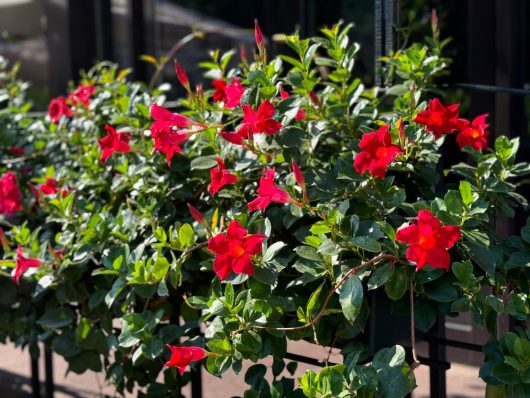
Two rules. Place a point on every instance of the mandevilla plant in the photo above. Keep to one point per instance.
(137, 240)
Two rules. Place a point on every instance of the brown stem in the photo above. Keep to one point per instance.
(415, 361)
(169, 55)
(313, 322)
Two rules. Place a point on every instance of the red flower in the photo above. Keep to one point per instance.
(300, 115)
(10, 195)
(113, 142)
(268, 192)
(168, 141)
(50, 187)
(58, 108)
(82, 94)
(219, 90)
(230, 94)
(182, 356)
(220, 177)
(429, 241)
(164, 119)
(474, 133)
(233, 250)
(23, 263)
(16, 150)
(377, 152)
(182, 76)
(438, 119)
(258, 35)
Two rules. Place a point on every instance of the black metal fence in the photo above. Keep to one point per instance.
(496, 31)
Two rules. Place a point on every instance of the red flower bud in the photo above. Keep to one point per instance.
(298, 176)
(196, 214)
(243, 53)
(182, 76)
(258, 35)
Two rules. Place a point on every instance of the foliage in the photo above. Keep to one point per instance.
(127, 269)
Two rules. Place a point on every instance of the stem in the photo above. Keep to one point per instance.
(314, 321)
(415, 361)
(177, 46)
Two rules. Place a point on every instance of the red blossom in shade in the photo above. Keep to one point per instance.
(49, 187)
(439, 119)
(429, 241)
(300, 114)
(260, 121)
(82, 95)
(16, 150)
(113, 142)
(168, 141)
(220, 177)
(24, 263)
(268, 192)
(10, 195)
(182, 76)
(474, 133)
(258, 35)
(182, 356)
(377, 152)
(58, 108)
(230, 94)
(233, 250)
(219, 93)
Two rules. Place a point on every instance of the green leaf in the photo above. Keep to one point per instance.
(424, 314)
(521, 349)
(320, 227)
(389, 357)
(466, 193)
(380, 276)
(396, 286)
(393, 383)
(219, 346)
(272, 250)
(160, 267)
(186, 235)
(255, 374)
(366, 243)
(57, 318)
(351, 298)
(505, 373)
(204, 162)
(442, 291)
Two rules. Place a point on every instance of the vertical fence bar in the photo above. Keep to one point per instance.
(196, 380)
(437, 353)
(35, 383)
(378, 39)
(48, 371)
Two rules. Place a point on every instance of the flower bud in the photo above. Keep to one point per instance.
(258, 35)
(182, 76)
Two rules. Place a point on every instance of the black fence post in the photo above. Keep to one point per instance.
(48, 371)
(437, 353)
(35, 382)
